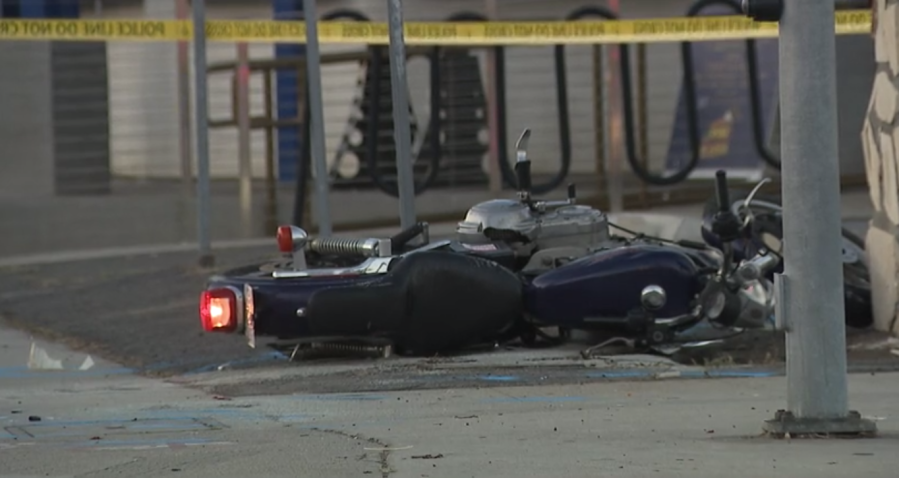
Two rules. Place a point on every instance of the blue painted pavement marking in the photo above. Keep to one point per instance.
(729, 373)
(499, 378)
(534, 399)
(638, 373)
(340, 397)
(20, 372)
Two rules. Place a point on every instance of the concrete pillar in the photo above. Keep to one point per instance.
(880, 138)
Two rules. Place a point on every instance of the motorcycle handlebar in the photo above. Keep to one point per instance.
(721, 191)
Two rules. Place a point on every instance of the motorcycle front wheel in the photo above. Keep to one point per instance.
(856, 275)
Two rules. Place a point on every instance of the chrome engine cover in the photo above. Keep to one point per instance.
(573, 225)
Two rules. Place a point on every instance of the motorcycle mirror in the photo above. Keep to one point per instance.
(521, 146)
(523, 164)
(747, 203)
(721, 191)
(725, 224)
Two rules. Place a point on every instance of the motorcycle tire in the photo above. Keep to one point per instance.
(856, 275)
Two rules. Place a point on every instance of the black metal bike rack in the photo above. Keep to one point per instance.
(376, 63)
(755, 94)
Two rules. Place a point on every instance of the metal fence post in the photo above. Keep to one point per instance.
(401, 129)
(613, 144)
(811, 290)
(494, 172)
(244, 153)
(316, 116)
(201, 102)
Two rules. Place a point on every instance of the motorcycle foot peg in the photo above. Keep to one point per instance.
(658, 335)
(587, 353)
(639, 319)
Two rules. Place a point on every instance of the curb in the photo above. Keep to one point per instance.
(183, 247)
(186, 247)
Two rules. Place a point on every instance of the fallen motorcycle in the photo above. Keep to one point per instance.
(515, 268)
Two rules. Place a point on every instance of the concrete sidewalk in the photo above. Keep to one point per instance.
(120, 425)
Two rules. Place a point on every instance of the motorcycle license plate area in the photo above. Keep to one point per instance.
(249, 316)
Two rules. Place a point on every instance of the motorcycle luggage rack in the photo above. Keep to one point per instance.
(372, 265)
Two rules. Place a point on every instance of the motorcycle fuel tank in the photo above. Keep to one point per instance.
(607, 284)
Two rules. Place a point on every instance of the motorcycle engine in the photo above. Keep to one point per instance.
(512, 221)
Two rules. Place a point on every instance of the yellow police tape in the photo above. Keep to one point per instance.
(422, 33)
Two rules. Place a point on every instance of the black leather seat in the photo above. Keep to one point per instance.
(430, 302)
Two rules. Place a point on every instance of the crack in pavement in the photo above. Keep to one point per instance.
(383, 451)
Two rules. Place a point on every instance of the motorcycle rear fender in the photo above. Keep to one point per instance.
(279, 304)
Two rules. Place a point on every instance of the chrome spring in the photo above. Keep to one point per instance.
(364, 247)
(343, 347)
(384, 351)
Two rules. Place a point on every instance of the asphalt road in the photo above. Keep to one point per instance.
(138, 311)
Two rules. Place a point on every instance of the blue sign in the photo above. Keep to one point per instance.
(289, 95)
(724, 107)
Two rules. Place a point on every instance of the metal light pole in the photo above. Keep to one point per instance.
(402, 135)
(317, 128)
(810, 292)
(494, 172)
(614, 111)
(244, 152)
(182, 9)
(201, 103)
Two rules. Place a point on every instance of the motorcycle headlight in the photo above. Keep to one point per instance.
(713, 304)
(713, 300)
(718, 304)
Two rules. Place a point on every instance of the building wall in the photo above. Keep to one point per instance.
(26, 137)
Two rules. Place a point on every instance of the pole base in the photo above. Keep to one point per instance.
(786, 424)
(207, 261)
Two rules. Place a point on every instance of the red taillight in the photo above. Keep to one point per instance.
(218, 310)
(285, 239)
